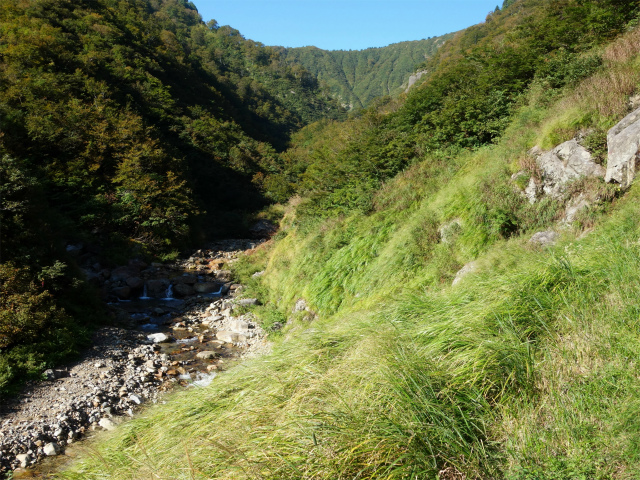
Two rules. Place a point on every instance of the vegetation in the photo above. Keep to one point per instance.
(523, 370)
(130, 127)
(360, 77)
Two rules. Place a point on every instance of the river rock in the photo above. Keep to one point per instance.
(239, 326)
(25, 459)
(159, 338)
(568, 161)
(184, 279)
(123, 293)
(230, 337)
(157, 287)
(107, 424)
(623, 142)
(206, 287)
(206, 355)
(135, 283)
(183, 290)
(223, 276)
(51, 449)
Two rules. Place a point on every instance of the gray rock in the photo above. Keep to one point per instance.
(25, 459)
(258, 274)
(468, 268)
(135, 282)
(575, 206)
(124, 273)
(107, 424)
(568, 161)
(623, 142)
(52, 449)
(157, 287)
(544, 239)
(135, 399)
(223, 276)
(450, 230)
(300, 306)
(532, 191)
(239, 326)
(206, 355)
(247, 302)
(230, 337)
(159, 338)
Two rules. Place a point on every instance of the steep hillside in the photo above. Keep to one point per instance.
(358, 77)
(454, 291)
(130, 127)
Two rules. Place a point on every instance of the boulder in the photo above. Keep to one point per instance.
(568, 161)
(623, 143)
(544, 239)
(206, 355)
(107, 424)
(25, 459)
(230, 337)
(183, 290)
(206, 287)
(123, 273)
(159, 338)
(157, 287)
(223, 276)
(468, 268)
(52, 449)
(263, 229)
(248, 302)
(135, 283)
(123, 293)
(238, 325)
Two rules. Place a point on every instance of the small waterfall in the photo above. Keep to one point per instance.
(169, 293)
(145, 295)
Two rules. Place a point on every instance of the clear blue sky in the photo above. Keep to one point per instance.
(344, 24)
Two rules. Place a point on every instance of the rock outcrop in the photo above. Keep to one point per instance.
(623, 143)
(568, 161)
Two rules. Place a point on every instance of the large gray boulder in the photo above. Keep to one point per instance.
(623, 143)
(568, 161)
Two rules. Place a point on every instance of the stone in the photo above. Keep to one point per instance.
(568, 161)
(124, 273)
(623, 142)
(248, 302)
(135, 283)
(230, 337)
(223, 276)
(263, 229)
(450, 230)
(206, 355)
(465, 270)
(159, 338)
(25, 459)
(183, 290)
(258, 274)
(135, 399)
(544, 239)
(239, 326)
(300, 306)
(532, 192)
(51, 449)
(184, 279)
(206, 287)
(107, 424)
(123, 293)
(575, 206)
(157, 287)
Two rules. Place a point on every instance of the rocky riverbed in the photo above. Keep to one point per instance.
(159, 344)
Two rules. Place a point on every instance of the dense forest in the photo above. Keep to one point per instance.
(359, 77)
(131, 127)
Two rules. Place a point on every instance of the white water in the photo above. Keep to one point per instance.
(169, 293)
(144, 293)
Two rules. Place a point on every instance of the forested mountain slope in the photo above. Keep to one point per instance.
(431, 327)
(133, 127)
(357, 77)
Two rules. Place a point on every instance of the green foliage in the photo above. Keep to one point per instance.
(359, 77)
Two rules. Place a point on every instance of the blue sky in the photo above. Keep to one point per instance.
(344, 24)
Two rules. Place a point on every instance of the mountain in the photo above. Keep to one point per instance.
(358, 77)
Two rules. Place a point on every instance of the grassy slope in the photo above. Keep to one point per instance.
(526, 369)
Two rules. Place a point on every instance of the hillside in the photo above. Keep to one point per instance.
(454, 290)
(358, 77)
(129, 128)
